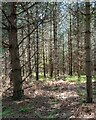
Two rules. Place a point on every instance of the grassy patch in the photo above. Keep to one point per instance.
(50, 115)
(26, 109)
(6, 112)
(76, 79)
(55, 100)
(41, 77)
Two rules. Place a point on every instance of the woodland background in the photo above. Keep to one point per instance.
(48, 59)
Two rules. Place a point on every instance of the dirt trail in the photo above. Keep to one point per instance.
(54, 99)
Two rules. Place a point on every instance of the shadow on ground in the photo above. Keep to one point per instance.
(45, 101)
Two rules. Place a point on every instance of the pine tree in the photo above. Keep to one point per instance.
(88, 49)
(14, 52)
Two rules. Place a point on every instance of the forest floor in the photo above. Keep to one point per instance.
(52, 99)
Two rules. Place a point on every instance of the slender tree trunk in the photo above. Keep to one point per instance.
(88, 58)
(14, 52)
(44, 68)
(63, 60)
(81, 57)
(5, 57)
(23, 53)
(71, 70)
(37, 46)
(55, 40)
(50, 44)
(95, 58)
(46, 59)
(78, 43)
(28, 49)
(95, 42)
(35, 51)
(70, 48)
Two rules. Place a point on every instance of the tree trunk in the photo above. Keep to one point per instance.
(63, 59)
(44, 68)
(28, 47)
(95, 42)
(70, 48)
(78, 43)
(37, 45)
(5, 57)
(55, 40)
(95, 57)
(50, 49)
(23, 55)
(88, 58)
(14, 52)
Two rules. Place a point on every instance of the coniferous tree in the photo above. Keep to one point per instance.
(88, 57)
(14, 52)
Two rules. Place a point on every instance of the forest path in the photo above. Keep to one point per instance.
(52, 99)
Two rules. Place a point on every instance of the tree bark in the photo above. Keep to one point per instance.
(95, 42)
(78, 43)
(44, 68)
(14, 52)
(88, 58)
(63, 59)
(50, 49)
(29, 47)
(37, 46)
(23, 55)
(55, 40)
(70, 48)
